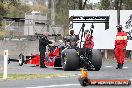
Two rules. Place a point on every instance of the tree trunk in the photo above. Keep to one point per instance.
(111, 7)
(80, 5)
(84, 5)
(116, 4)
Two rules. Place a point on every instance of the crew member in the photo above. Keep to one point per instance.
(88, 40)
(43, 42)
(74, 39)
(120, 45)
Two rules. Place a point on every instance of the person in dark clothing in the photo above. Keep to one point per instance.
(74, 39)
(43, 42)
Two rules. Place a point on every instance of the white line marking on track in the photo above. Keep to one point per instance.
(108, 66)
(63, 76)
(54, 67)
(112, 66)
(52, 86)
(77, 74)
(125, 67)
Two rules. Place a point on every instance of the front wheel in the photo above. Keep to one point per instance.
(21, 59)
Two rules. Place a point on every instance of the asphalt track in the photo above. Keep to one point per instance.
(107, 71)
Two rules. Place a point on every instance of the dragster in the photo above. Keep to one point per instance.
(67, 57)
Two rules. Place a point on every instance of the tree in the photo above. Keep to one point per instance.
(62, 8)
(90, 6)
(40, 6)
(18, 11)
(3, 8)
(105, 5)
(113, 4)
(82, 4)
(127, 4)
(2, 13)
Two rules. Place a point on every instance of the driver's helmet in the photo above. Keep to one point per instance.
(119, 28)
(71, 32)
(87, 31)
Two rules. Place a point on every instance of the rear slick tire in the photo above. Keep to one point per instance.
(69, 60)
(96, 60)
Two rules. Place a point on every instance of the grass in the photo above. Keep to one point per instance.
(31, 76)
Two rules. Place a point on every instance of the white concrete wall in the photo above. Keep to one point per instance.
(17, 47)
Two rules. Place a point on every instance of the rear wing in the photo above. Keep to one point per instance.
(89, 19)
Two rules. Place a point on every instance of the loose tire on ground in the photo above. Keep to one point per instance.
(96, 60)
(69, 60)
(21, 59)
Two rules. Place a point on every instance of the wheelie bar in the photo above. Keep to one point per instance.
(12, 60)
(88, 62)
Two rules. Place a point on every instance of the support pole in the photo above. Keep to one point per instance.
(118, 11)
(5, 64)
(106, 55)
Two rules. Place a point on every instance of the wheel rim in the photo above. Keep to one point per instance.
(65, 60)
(20, 61)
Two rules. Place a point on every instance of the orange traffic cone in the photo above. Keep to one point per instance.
(84, 74)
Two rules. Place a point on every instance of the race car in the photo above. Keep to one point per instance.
(66, 56)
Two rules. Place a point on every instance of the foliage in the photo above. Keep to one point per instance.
(62, 8)
(4, 6)
(39, 7)
(18, 11)
(127, 4)
(105, 5)
(12, 8)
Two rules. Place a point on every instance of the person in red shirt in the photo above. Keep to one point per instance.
(120, 45)
(88, 40)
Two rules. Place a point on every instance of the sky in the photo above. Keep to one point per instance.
(94, 1)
